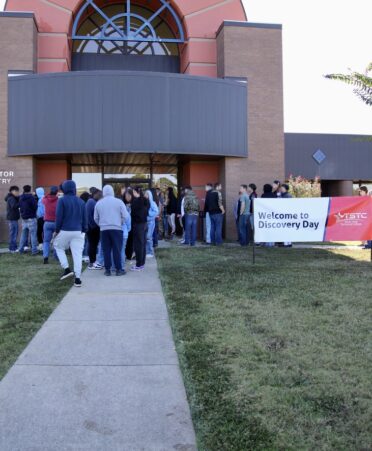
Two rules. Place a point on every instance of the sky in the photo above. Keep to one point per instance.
(320, 37)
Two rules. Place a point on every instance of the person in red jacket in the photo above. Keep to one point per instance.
(50, 205)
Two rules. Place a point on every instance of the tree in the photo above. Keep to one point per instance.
(362, 83)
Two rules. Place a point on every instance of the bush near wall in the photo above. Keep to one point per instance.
(301, 187)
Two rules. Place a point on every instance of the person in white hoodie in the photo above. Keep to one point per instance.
(110, 214)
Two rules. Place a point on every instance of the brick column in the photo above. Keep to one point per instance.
(18, 52)
(254, 51)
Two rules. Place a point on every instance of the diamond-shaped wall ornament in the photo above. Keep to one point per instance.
(319, 156)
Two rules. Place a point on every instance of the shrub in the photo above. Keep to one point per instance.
(301, 187)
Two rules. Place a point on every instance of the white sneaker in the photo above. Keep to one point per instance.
(86, 259)
(149, 256)
(40, 247)
(26, 248)
(97, 266)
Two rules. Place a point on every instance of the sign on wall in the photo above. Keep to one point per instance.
(6, 177)
(313, 219)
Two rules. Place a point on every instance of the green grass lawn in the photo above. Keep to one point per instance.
(29, 291)
(275, 356)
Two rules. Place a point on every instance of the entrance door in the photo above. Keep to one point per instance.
(120, 183)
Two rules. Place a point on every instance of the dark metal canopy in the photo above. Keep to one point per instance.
(121, 111)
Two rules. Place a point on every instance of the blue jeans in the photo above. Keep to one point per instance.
(216, 228)
(49, 229)
(244, 226)
(149, 237)
(207, 228)
(13, 233)
(100, 259)
(112, 242)
(29, 225)
(155, 235)
(165, 224)
(123, 259)
(190, 229)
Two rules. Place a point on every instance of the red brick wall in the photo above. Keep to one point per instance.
(254, 53)
(17, 52)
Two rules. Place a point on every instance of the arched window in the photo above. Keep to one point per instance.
(126, 28)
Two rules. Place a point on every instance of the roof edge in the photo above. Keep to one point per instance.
(238, 23)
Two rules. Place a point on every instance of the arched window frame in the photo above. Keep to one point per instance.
(133, 36)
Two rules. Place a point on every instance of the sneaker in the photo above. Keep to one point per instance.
(26, 248)
(86, 259)
(46, 260)
(107, 273)
(66, 273)
(120, 273)
(136, 268)
(149, 255)
(77, 282)
(97, 266)
(40, 247)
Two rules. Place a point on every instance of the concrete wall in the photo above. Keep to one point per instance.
(254, 51)
(17, 53)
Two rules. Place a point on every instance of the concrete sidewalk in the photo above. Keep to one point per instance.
(101, 374)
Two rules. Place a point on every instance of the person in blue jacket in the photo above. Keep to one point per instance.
(153, 212)
(71, 226)
(40, 193)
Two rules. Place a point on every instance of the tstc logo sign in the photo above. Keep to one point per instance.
(350, 218)
(6, 177)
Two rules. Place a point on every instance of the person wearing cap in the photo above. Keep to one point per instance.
(50, 205)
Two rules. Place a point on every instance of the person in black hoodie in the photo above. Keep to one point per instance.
(139, 211)
(28, 208)
(268, 194)
(12, 216)
(71, 226)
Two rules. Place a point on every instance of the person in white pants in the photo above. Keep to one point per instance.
(71, 225)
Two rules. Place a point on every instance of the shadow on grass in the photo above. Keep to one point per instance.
(274, 354)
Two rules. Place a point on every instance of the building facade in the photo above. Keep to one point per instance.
(150, 87)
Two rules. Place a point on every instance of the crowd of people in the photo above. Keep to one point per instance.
(105, 230)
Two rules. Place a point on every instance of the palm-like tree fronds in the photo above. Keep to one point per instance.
(362, 83)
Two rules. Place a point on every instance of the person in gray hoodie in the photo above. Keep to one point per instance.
(110, 214)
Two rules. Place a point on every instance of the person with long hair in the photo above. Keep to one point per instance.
(127, 199)
(153, 212)
(171, 205)
(155, 235)
(139, 212)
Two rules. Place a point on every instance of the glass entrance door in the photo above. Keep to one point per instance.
(120, 183)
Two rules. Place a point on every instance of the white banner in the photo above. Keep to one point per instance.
(284, 220)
